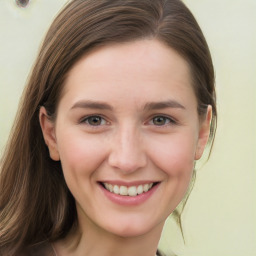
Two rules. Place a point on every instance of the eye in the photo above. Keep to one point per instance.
(94, 120)
(161, 121)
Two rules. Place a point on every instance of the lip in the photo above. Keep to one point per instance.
(129, 200)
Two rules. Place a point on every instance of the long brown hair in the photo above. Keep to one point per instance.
(35, 203)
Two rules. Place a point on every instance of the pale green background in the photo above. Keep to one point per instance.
(220, 216)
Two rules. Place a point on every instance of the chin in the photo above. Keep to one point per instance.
(133, 228)
(129, 232)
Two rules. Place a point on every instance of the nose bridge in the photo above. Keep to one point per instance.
(127, 152)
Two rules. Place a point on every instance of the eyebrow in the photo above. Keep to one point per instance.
(147, 107)
(163, 105)
(91, 105)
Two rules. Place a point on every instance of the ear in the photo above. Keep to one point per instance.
(48, 129)
(204, 133)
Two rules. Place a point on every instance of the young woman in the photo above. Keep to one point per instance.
(119, 106)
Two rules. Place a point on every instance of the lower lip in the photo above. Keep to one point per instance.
(129, 200)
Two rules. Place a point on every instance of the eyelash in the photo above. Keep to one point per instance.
(167, 121)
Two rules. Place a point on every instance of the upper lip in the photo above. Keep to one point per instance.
(128, 183)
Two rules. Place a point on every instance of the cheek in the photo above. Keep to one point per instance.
(174, 155)
(80, 154)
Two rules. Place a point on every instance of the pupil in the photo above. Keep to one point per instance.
(159, 120)
(95, 120)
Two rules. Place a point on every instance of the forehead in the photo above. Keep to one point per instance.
(141, 69)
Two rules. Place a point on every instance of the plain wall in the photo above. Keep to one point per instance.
(220, 216)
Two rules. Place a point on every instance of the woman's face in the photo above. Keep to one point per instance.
(127, 133)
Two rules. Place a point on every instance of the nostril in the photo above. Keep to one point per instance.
(22, 3)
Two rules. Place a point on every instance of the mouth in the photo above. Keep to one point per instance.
(128, 191)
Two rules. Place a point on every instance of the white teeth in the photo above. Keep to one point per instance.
(128, 191)
(140, 189)
(110, 187)
(132, 191)
(146, 187)
(116, 189)
(123, 191)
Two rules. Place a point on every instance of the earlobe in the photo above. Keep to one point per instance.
(204, 133)
(48, 130)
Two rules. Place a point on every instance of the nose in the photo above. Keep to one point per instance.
(127, 151)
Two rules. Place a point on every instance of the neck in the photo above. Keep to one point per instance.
(90, 240)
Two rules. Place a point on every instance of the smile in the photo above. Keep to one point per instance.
(126, 194)
(128, 190)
